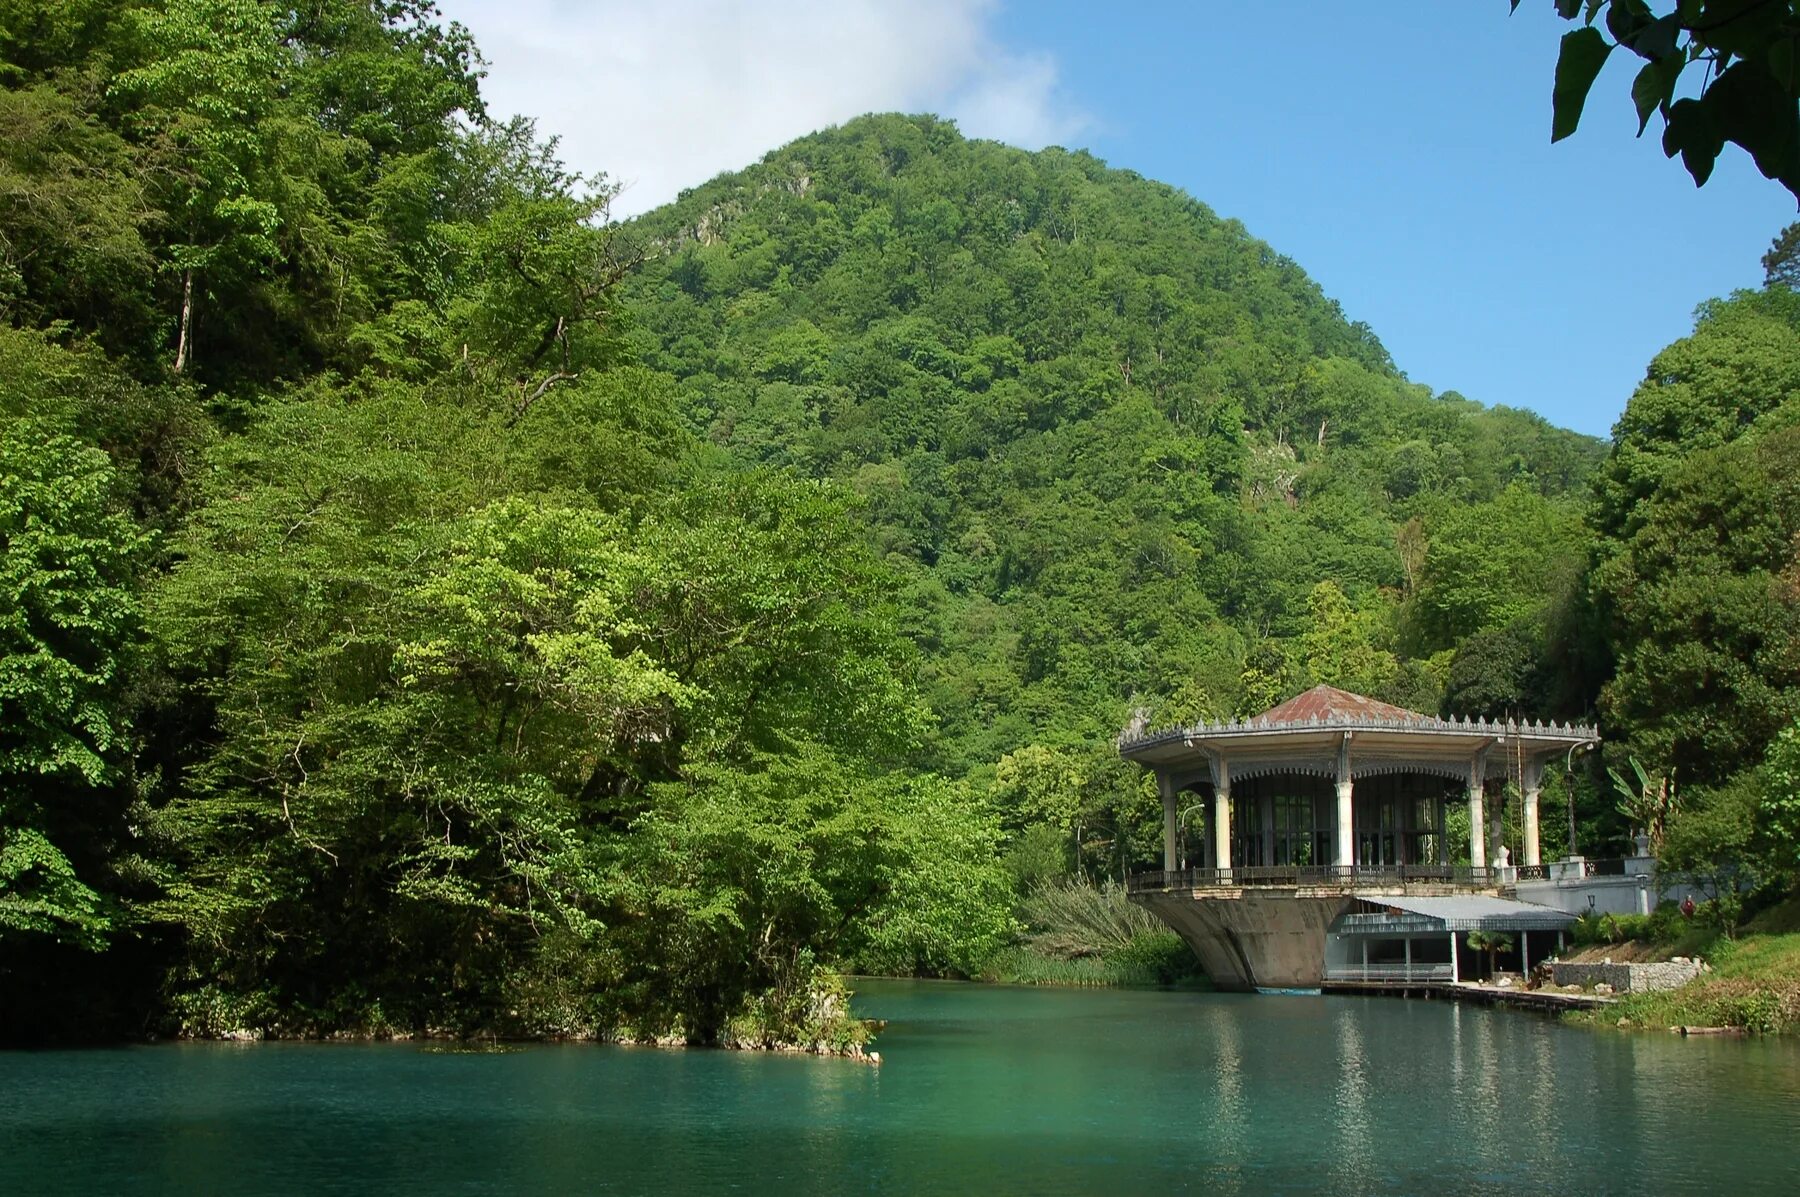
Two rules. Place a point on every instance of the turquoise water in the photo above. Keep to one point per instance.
(983, 1089)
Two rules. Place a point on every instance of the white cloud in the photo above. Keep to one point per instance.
(665, 95)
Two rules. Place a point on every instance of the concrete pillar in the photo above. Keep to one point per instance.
(1222, 826)
(1346, 829)
(1455, 967)
(1170, 798)
(1477, 824)
(1533, 785)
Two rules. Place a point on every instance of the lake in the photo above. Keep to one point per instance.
(990, 1089)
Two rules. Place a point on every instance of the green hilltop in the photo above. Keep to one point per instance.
(1120, 452)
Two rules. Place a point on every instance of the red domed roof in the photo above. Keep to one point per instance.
(1327, 704)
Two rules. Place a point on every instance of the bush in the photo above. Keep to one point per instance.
(1075, 919)
(1155, 958)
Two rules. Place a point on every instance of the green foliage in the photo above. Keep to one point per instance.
(1778, 813)
(1749, 91)
(67, 623)
(1121, 454)
(536, 642)
(1647, 802)
(1078, 918)
(1490, 565)
(1754, 984)
(1697, 514)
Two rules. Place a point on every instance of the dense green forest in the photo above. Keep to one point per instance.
(430, 606)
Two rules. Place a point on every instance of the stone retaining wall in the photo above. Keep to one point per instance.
(1627, 978)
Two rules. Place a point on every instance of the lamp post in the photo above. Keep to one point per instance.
(1569, 790)
(1180, 829)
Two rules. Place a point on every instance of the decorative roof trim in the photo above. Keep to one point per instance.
(1257, 727)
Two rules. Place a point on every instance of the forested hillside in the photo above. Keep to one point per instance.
(1122, 454)
(430, 607)
(379, 651)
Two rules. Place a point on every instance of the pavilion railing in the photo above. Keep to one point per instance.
(1536, 872)
(1289, 876)
(1387, 974)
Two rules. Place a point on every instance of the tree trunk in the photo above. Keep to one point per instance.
(187, 319)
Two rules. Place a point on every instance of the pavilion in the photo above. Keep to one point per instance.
(1325, 800)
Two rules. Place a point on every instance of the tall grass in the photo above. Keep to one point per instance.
(1084, 935)
(1069, 920)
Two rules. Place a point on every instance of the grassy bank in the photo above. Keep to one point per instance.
(1155, 959)
(1085, 935)
(1754, 982)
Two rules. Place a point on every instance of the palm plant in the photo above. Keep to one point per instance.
(1493, 943)
(1649, 804)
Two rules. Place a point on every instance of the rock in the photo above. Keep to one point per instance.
(875, 1058)
(1624, 1022)
(1603, 988)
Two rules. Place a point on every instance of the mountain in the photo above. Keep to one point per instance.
(1121, 452)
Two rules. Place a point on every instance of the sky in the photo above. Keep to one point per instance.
(1400, 153)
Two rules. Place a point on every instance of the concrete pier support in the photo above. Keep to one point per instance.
(1249, 940)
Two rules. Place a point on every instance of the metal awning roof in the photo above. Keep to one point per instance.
(1463, 912)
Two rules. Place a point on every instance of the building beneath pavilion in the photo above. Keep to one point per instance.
(1278, 827)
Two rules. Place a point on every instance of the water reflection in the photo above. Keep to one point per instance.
(1225, 1137)
(983, 1089)
(1355, 1151)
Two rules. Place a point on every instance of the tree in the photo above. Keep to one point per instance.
(1648, 802)
(1493, 943)
(1781, 265)
(68, 618)
(1747, 52)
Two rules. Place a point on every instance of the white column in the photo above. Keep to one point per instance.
(1346, 829)
(1477, 824)
(1533, 779)
(1221, 775)
(1222, 826)
(1169, 797)
(1455, 968)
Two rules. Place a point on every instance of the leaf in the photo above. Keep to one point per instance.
(1626, 19)
(1583, 54)
(1750, 108)
(1659, 39)
(1654, 87)
(1782, 61)
(1691, 133)
(1740, 27)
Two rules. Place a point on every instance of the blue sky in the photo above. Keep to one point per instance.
(1399, 153)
